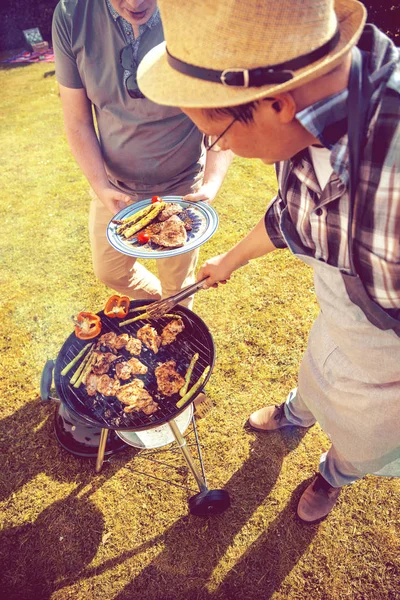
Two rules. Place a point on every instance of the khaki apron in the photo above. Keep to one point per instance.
(349, 378)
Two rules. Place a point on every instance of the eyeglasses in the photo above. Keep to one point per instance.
(211, 141)
(129, 64)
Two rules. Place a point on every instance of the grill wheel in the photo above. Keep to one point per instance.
(210, 502)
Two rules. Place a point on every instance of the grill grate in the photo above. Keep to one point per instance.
(106, 411)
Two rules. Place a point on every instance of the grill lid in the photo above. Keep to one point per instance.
(108, 411)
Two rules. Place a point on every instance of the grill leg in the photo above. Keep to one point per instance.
(101, 450)
(180, 440)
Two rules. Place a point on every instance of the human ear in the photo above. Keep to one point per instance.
(285, 107)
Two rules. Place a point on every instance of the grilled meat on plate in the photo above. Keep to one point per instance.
(170, 331)
(150, 338)
(172, 235)
(171, 209)
(169, 381)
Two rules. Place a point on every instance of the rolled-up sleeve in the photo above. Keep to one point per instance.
(67, 72)
(273, 218)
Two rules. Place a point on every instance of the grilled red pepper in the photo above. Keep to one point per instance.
(87, 325)
(117, 306)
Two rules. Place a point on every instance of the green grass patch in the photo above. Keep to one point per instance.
(68, 533)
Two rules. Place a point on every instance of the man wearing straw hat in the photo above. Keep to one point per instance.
(305, 86)
(141, 149)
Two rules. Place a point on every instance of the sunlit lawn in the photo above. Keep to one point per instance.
(68, 533)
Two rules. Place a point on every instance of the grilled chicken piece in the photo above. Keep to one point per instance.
(103, 362)
(107, 386)
(107, 339)
(172, 235)
(137, 367)
(170, 331)
(134, 346)
(152, 229)
(150, 338)
(132, 367)
(123, 370)
(150, 408)
(169, 381)
(169, 210)
(131, 391)
(135, 396)
(121, 341)
(91, 383)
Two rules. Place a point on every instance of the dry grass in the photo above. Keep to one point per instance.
(67, 533)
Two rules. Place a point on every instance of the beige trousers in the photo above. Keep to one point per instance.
(128, 277)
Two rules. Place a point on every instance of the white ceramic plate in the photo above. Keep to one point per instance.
(204, 224)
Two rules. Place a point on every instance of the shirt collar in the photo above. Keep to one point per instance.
(154, 19)
(326, 119)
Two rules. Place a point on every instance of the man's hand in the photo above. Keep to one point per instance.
(218, 270)
(113, 200)
(206, 193)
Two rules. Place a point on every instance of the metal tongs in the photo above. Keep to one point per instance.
(157, 309)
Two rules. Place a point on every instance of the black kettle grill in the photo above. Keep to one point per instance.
(88, 426)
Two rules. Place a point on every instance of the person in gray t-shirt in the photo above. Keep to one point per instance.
(140, 149)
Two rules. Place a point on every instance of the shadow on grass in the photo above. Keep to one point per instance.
(194, 546)
(66, 535)
(62, 540)
(31, 448)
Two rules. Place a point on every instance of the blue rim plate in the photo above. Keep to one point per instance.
(204, 224)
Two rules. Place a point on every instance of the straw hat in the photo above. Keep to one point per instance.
(229, 52)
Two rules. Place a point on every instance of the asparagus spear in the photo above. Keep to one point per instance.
(79, 370)
(194, 388)
(130, 232)
(145, 317)
(138, 318)
(73, 362)
(125, 223)
(85, 371)
(137, 308)
(188, 375)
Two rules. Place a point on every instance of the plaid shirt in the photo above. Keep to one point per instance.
(321, 216)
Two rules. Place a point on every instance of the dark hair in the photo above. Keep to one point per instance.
(243, 112)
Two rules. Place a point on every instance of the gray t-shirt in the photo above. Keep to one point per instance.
(146, 147)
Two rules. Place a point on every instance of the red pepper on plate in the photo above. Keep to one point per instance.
(156, 199)
(87, 325)
(117, 306)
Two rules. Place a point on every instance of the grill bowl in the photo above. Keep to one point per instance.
(107, 412)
